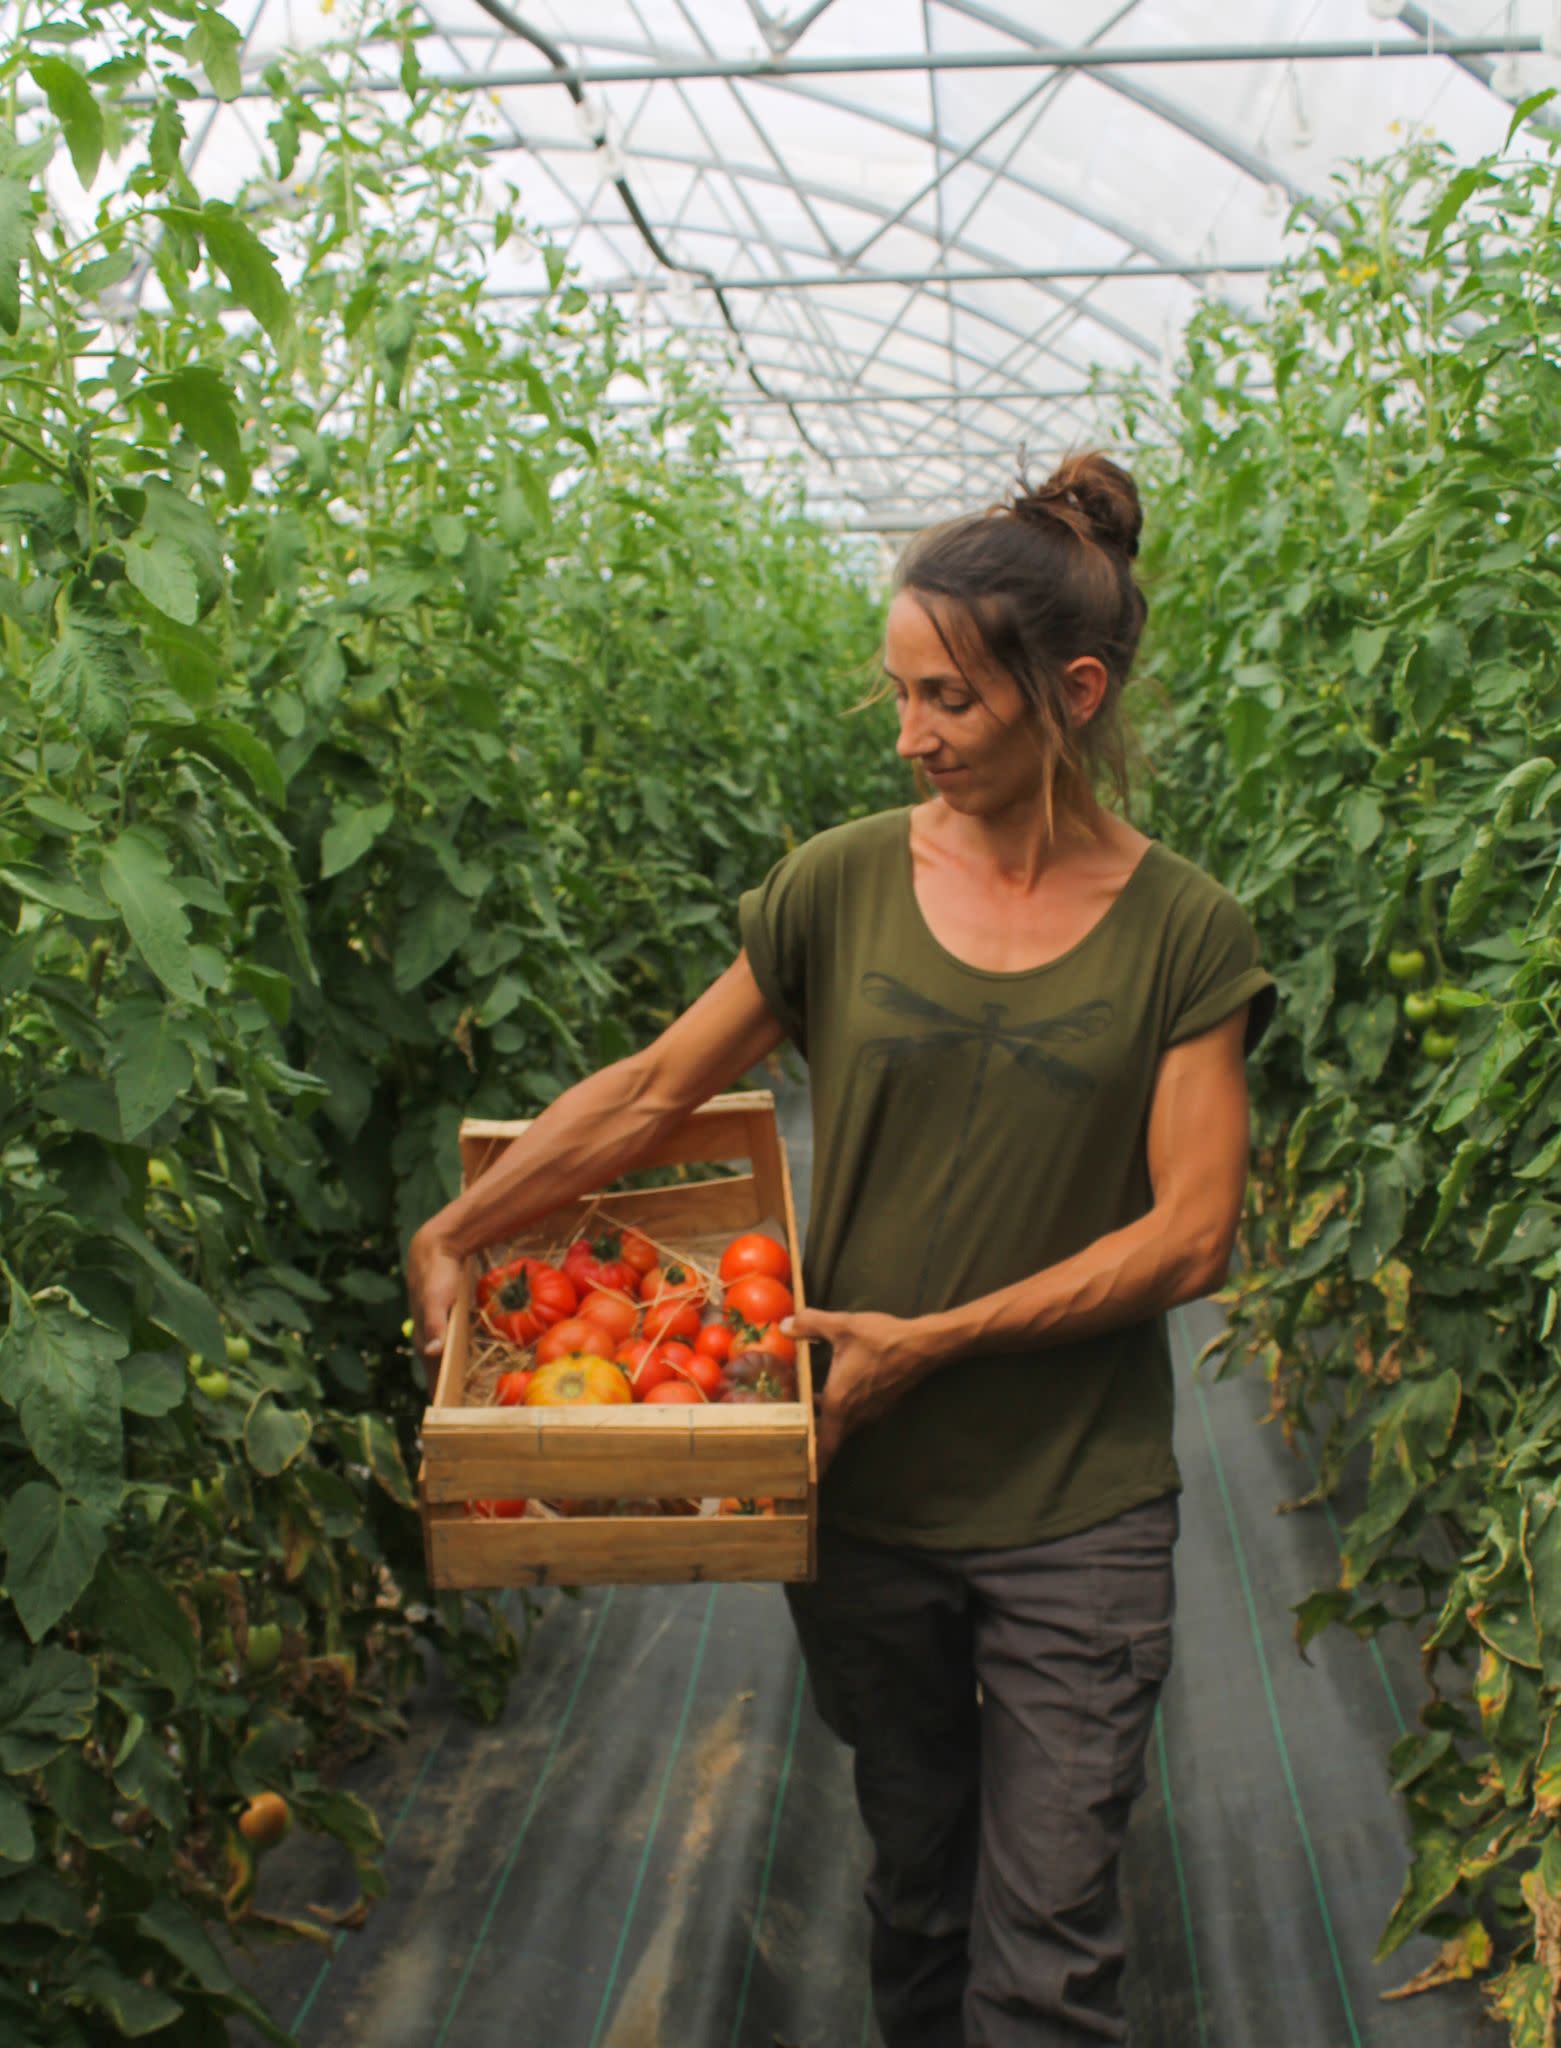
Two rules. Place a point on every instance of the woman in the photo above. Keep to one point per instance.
(1025, 1025)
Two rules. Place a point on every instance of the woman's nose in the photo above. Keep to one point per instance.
(913, 736)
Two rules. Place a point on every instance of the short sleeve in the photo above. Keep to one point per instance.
(775, 923)
(1219, 970)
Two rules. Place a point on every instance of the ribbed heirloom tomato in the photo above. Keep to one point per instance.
(578, 1382)
(523, 1298)
(753, 1252)
(596, 1262)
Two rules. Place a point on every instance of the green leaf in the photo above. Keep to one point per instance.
(44, 1898)
(73, 105)
(131, 1607)
(214, 43)
(69, 898)
(180, 1308)
(352, 831)
(174, 1927)
(151, 1065)
(273, 1435)
(171, 514)
(59, 1371)
(1433, 1875)
(136, 880)
(439, 925)
(1450, 205)
(382, 1455)
(43, 1705)
(247, 752)
(85, 676)
(1525, 110)
(16, 245)
(17, 1842)
(52, 1550)
(244, 262)
(153, 1383)
(165, 576)
(1361, 816)
(135, 2008)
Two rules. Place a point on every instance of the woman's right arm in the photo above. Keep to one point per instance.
(595, 1131)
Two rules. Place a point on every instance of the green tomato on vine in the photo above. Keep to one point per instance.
(1419, 1006)
(1438, 1047)
(1406, 963)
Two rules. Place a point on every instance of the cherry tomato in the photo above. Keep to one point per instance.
(714, 1341)
(665, 1319)
(756, 1300)
(513, 1388)
(615, 1313)
(755, 1253)
(676, 1391)
(652, 1371)
(577, 1333)
(638, 1252)
(704, 1373)
(526, 1297)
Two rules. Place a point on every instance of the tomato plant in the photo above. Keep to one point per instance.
(1362, 748)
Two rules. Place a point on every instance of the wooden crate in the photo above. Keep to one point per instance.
(638, 1453)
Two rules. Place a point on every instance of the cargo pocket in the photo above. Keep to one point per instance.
(1146, 1663)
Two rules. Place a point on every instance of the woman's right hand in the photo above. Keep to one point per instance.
(435, 1277)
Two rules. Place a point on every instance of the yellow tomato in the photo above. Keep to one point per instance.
(578, 1381)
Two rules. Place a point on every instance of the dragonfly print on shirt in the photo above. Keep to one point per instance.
(1031, 1047)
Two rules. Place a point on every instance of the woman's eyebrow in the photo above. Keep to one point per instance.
(958, 681)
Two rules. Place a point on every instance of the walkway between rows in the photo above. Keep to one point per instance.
(657, 1846)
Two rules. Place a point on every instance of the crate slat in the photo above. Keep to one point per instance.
(630, 1452)
(616, 1550)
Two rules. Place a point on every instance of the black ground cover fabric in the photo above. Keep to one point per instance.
(657, 1847)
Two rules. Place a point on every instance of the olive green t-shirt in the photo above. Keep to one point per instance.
(970, 1129)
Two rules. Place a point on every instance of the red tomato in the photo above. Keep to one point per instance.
(513, 1388)
(665, 1319)
(676, 1391)
(614, 1313)
(496, 1510)
(651, 1372)
(672, 1282)
(638, 1252)
(576, 1334)
(704, 1373)
(756, 1300)
(526, 1297)
(714, 1341)
(772, 1338)
(596, 1262)
(755, 1253)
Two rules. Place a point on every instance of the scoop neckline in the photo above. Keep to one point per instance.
(908, 875)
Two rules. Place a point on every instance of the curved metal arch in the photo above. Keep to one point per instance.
(836, 196)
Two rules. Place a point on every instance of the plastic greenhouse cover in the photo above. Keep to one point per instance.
(895, 228)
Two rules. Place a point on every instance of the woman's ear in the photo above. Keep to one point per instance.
(1086, 683)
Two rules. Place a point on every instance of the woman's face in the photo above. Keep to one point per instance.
(973, 735)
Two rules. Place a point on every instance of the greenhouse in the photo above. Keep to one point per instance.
(568, 851)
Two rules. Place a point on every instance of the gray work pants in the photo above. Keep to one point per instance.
(996, 1820)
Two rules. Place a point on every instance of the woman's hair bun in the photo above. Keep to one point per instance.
(1093, 495)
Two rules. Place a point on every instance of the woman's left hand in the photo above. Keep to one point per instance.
(874, 1359)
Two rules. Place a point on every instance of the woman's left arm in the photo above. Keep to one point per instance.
(1178, 1250)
